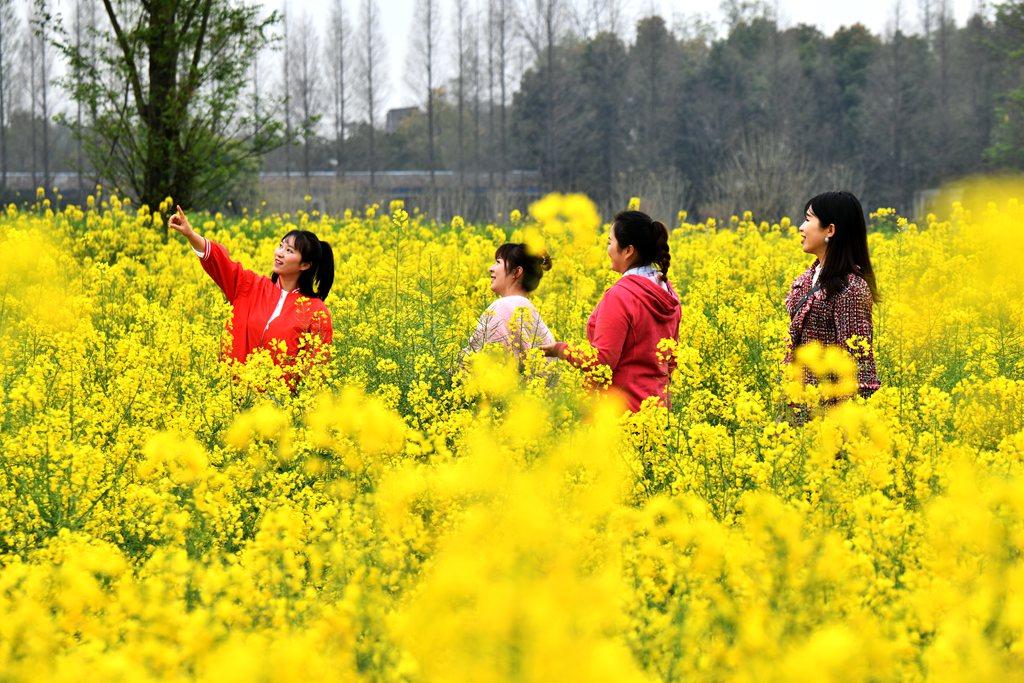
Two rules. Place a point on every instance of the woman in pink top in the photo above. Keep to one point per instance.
(636, 313)
(513, 321)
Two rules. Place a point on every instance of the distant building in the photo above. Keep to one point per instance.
(396, 116)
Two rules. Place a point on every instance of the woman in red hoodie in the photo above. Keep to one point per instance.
(636, 313)
(269, 310)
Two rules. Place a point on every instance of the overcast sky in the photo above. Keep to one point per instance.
(827, 15)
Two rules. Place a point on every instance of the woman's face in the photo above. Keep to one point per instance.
(813, 234)
(621, 258)
(502, 281)
(287, 259)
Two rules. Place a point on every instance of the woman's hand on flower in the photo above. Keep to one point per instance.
(554, 349)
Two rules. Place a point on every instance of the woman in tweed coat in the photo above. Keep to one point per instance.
(831, 301)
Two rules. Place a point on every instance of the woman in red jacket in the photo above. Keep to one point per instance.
(269, 310)
(636, 313)
(831, 301)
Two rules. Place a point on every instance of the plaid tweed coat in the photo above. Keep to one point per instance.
(832, 320)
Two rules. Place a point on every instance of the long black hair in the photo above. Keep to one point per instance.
(516, 256)
(847, 249)
(315, 281)
(649, 238)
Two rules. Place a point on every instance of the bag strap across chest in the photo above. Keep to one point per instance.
(804, 300)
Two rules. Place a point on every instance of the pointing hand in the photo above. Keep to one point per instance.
(179, 222)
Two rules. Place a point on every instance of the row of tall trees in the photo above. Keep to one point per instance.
(459, 64)
(29, 140)
(756, 115)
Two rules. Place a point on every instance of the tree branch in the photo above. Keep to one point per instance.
(129, 56)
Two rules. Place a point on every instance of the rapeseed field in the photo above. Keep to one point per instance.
(408, 514)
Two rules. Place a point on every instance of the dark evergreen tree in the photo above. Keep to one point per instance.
(1007, 148)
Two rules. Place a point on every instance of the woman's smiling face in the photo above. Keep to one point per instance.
(288, 260)
(501, 280)
(813, 234)
(622, 259)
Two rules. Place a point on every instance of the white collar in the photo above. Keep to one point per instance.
(647, 270)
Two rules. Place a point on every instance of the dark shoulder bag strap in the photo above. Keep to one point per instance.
(799, 337)
(804, 300)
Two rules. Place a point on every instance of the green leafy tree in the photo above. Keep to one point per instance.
(164, 92)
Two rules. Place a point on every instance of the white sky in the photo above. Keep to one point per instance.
(827, 15)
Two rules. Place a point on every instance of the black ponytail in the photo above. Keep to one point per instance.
(325, 271)
(316, 281)
(649, 238)
(663, 256)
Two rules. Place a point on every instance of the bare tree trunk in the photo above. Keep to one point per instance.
(549, 50)
(306, 111)
(33, 75)
(460, 46)
(3, 108)
(163, 80)
(503, 30)
(92, 53)
(490, 90)
(79, 157)
(478, 92)
(8, 26)
(287, 98)
(256, 94)
(422, 73)
(431, 45)
(371, 63)
(943, 51)
(44, 87)
(370, 66)
(305, 83)
(337, 49)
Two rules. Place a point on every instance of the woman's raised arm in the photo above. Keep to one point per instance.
(179, 223)
(229, 275)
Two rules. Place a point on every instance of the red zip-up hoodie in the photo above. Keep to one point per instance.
(633, 316)
(253, 299)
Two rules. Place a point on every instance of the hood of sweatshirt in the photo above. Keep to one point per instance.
(663, 305)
